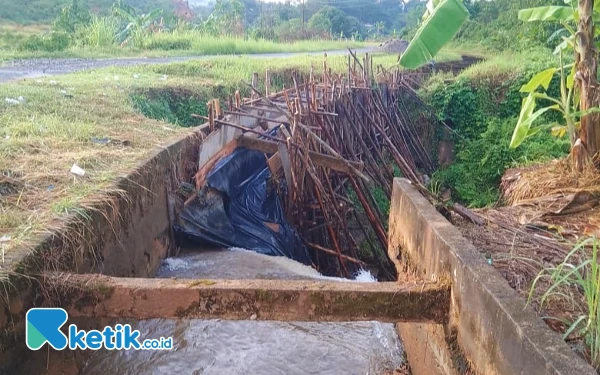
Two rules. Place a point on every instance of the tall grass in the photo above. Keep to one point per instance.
(579, 272)
(100, 33)
(99, 39)
(203, 44)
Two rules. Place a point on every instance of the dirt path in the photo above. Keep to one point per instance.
(34, 68)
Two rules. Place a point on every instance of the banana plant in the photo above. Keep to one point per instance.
(567, 16)
(441, 22)
(137, 26)
(566, 105)
(570, 101)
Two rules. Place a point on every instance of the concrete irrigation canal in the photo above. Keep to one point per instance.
(258, 246)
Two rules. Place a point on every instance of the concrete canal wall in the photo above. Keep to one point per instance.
(491, 331)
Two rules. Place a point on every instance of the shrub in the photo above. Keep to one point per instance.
(170, 106)
(169, 44)
(54, 42)
(482, 159)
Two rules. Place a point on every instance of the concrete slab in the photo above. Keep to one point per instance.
(283, 300)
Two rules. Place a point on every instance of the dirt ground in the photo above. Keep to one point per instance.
(393, 46)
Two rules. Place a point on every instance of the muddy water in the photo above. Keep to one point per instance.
(253, 347)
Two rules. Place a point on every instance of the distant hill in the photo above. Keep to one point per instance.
(44, 11)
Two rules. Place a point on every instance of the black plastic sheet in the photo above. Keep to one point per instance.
(242, 209)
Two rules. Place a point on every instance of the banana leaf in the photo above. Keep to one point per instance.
(439, 28)
(547, 13)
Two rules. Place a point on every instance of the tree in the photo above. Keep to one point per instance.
(586, 60)
(289, 30)
(137, 26)
(379, 27)
(443, 19)
(320, 21)
(71, 17)
(335, 21)
(229, 16)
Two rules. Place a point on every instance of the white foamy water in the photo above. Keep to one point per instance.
(364, 276)
(174, 264)
(300, 269)
(219, 347)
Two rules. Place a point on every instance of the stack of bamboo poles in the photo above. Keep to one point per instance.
(359, 120)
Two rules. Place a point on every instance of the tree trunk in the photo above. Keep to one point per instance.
(586, 58)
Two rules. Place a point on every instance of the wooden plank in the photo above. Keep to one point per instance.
(319, 159)
(275, 163)
(210, 164)
(285, 163)
(284, 300)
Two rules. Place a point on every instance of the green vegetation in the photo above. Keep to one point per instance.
(126, 31)
(495, 26)
(481, 105)
(45, 11)
(581, 269)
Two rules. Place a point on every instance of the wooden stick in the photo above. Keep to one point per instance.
(331, 252)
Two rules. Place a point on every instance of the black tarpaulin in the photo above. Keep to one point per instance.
(241, 208)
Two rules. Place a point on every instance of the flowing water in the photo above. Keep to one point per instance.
(254, 347)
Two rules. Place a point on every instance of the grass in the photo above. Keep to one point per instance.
(13, 34)
(42, 137)
(574, 280)
(98, 40)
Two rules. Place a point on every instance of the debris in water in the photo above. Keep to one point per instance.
(77, 170)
